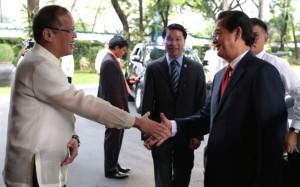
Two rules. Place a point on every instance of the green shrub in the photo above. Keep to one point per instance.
(93, 51)
(6, 53)
(274, 49)
(88, 50)
(16, 44)
(201, 50)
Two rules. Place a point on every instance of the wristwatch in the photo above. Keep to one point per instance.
(294, 130)
(76, 137)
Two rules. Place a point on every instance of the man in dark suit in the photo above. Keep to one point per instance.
(113, 88)
(247, 124)
(176, 154)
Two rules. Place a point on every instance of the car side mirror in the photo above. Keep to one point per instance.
(205, 63)
(136, 58)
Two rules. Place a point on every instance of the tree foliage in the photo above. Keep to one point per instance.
(137, 17)
(209, 9)
(30, 9)
(281, 11)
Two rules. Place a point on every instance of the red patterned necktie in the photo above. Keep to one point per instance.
(225, 79)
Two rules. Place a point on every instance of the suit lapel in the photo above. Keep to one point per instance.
(183, 75)
(116, 63)
(237, 74)
(164, 71)
(216, 92)
(234, 80)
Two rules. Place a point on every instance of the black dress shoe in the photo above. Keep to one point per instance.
(123, 169)
(118, 175)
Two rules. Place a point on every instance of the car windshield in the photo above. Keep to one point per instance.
(154, 52)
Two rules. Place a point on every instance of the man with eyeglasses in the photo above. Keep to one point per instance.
(41, 136)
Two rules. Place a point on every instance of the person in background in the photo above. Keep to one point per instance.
(289, 78)
(41, 137)
(215, 63)
(114, 89)
(27, 45)
(174, 85)
(100, 55)
(67, 65)
(245, 115)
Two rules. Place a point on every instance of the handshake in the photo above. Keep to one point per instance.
(153, 140)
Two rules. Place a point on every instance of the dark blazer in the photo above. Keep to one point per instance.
(112, 84)
(158, 94)
(247, 127)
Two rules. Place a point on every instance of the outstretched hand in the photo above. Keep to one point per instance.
(152, 128)
(158, 141)
(165, 121)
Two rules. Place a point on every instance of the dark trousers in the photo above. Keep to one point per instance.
(112, 146)
(173, 164)
(70, 80)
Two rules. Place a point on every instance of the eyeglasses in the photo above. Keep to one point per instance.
(73, 30)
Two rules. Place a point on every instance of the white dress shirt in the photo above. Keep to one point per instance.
(215, 63)
(41, 120)
(290, 80)
(99, 58)
(67, 65)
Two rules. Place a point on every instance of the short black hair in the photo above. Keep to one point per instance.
(174, 26)
(262, 24)
(47, 16)
(117, 41)
(234, 19)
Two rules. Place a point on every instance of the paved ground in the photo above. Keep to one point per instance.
(88, 168)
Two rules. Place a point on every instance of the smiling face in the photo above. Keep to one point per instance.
(174, 42)
(64, 40)
(261, 39)
(60, 38)
(224, 41)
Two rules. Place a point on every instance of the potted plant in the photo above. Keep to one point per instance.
(7, 69)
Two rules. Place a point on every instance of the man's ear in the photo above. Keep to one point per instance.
(238, 33)
(48, 34)
(266, 38)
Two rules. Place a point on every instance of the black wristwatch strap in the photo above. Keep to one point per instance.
(76, 137)
(294, 130)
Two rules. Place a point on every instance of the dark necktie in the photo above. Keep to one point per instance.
(226, 79)
(174, 76)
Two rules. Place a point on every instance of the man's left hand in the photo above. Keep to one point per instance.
(73, 150)
(194, 143)
(291, 141)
